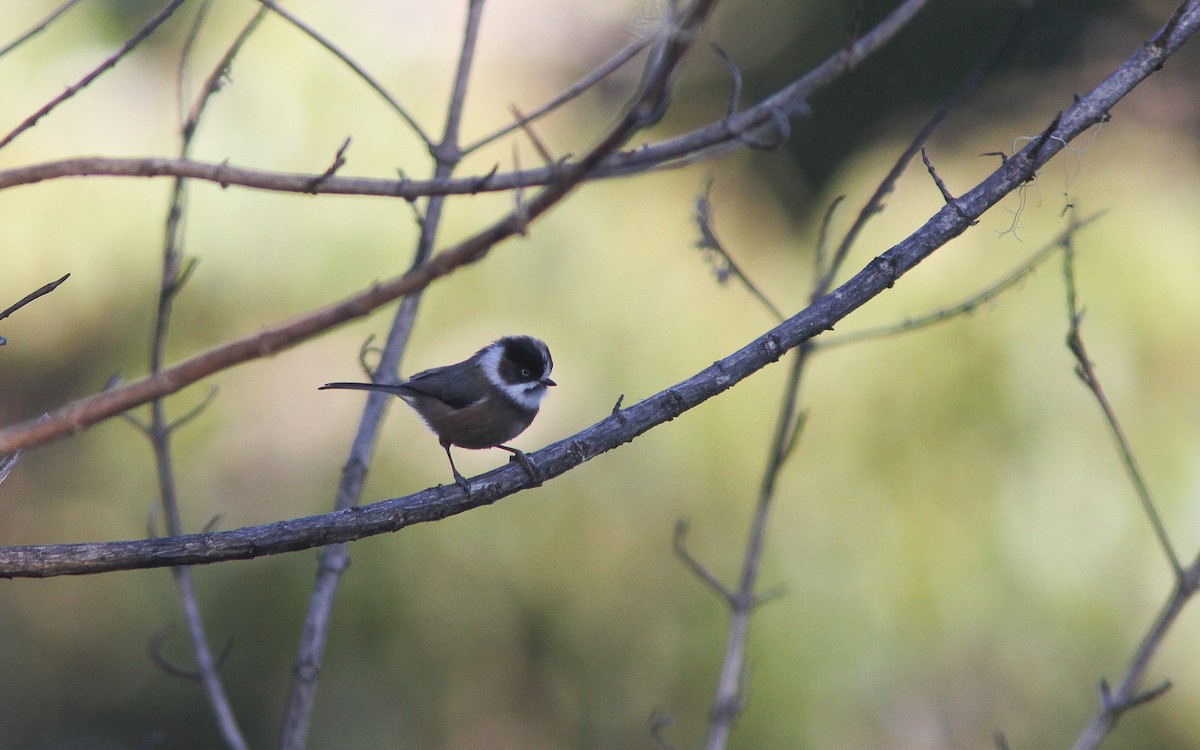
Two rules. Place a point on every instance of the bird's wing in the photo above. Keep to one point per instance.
(453, 391)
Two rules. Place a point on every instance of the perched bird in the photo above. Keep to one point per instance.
(480, 402)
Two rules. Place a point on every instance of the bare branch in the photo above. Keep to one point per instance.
(39, 27)
(339, 161)
(354, 66)
(1114, 702)
(968, 305)
(1087, 373)
(39, 292)
(603, 71)
(937, 179)
(104, 67)
(721, 137)
(694, 565)
(875, 203)
(724, 264)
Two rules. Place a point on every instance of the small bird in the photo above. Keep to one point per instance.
(480, 402)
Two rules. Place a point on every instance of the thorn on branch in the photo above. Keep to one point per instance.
(172, 287)
(941, 185)
(481, 183)
(735, 77)
(793, 435)
(1045, 137)
(853, 30)
(412, 201)
(339, 161)
(196, 411)
(616, 410)
(520, 212)
(212, 524)
(660, 721)
(526, 126)
(778, 592)
(221, 168)
(176, 670)
(1115, 707)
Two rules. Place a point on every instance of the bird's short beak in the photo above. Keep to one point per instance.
(547, 381)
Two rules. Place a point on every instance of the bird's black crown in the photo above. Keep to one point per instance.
(525, 359)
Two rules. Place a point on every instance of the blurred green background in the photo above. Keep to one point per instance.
(960, 550)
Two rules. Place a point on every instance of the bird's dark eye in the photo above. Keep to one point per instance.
(525, 372)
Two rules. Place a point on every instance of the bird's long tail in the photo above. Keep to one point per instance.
(394, 389)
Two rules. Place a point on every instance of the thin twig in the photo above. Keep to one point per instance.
(725, 265)
(216, 78)
(361, 72)
(679, 544)
(1114, 702)
(735, 80)
(82, 83)
(730, 692)
(875, 203)
(39, 292)
(178, 670)
(937, 178)
(38, 27)
(968, 305)
(604, 70)
(539, 145)
(1087, 373)
(176, 269)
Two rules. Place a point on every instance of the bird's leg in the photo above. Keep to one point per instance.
(520, 457)
(459, 479)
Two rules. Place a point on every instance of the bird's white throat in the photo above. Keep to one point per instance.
(526, 395)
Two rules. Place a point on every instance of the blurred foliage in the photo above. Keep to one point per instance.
(960, 551)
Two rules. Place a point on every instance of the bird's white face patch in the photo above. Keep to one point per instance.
(526, 395)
